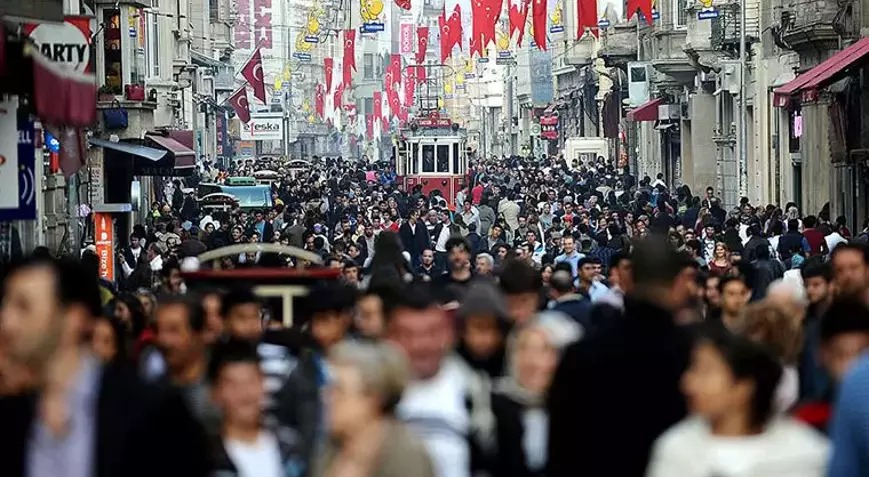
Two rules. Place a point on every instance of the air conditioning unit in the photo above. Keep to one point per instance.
(639, 77)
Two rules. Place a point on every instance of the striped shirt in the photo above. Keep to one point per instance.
(276, 363)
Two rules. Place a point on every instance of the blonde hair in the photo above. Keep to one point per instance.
(769, 325)
(382, 367)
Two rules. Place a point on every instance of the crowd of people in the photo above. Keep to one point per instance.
(551, 319)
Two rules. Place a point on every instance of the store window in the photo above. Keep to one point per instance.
(113, 55)
(680, 14)
(136, 27)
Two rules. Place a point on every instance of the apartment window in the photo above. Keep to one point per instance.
(680, 13)
(152, 50)
(368, 66)
(112, 53)
(368, 106)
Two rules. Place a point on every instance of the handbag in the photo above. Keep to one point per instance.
(115, 117)
(134, 92)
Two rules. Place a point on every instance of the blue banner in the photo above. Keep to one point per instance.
(27, 187)
(542, 91)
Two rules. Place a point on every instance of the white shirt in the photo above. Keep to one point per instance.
(435, 410)
(258, 459)
(441, 245)
(833, 240)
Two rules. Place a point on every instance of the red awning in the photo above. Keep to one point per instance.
(647, 111)
(824, 73)
(185, 158)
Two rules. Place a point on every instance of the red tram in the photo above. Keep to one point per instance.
(431, 153)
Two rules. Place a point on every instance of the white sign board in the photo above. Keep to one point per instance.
(263, 127)
(67, 43)
(97, 180)
(9, 155)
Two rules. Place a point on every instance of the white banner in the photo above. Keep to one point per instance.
(9, 155)
(263, 127)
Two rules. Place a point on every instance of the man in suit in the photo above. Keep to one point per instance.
(77, 417)
(414, 237)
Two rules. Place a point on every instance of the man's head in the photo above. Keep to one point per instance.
(237, 384)
(421, 329)
(458, 253)
(350, 272)
(621, 271)
(587, 270)
(485, 264)
(180, 327)
(817, 277)
(242, 315)
(844, 331)
(521, 285)
(330, 311)
(850, 263)
(568, 243)
(735, 294)
(427, 257)
(47, 305)
(661, 274)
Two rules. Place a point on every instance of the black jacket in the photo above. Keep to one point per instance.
(141, 431)
(510, 432)
(414, 241)
(615, 392)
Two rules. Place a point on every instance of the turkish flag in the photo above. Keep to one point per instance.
(538, 19)
(455, 23)
(403, 4)
(394, 103)
(349, 55)
(644, 6)
(384, 124)
(338, 97)
(518, 18)
(319, 103)
(378, 104)
(409, 86)
(421, 74)
(421, 43)
(586, 17)
(369, 126)
(239, 104)
(253, 73)
(328, 67)
(492, 13)
(445, 38)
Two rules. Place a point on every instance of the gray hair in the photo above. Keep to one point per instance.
(791, 289)
(488, 258)
(382, 366)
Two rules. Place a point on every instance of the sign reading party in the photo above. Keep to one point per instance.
(66, 43)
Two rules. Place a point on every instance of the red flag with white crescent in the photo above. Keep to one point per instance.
(338, 97)
(253, 73)
(378, 104)
(518, 18)
(445, 37)
(239, 104)
(409, 86)
(538, 19)
(328, 67)
(319, 102)
(455, 23)
(369, 126)
(421, 43)
(644, 6)
(403, 4)
(586, 17)
(349, 55)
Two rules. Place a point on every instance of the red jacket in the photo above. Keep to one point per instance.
(816, 241)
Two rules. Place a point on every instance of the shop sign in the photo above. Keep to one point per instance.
(104, 238)
(263, 127)
(67, 43)
(17, 166)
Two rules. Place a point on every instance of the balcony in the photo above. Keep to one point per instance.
(817, 25)
(726, 33)
(618, 44)
(140, 117)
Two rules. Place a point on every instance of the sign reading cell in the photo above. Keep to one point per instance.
(263, 127)
(67, 43)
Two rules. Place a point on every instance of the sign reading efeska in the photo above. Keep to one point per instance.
(263, 127)
(66, 44)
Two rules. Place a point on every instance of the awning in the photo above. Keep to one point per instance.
(61, 96)
(647, 111)
(824, 73)
(184, 157)
(136, 150)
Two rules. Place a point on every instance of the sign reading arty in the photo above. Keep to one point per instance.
(549, 127)
(104, 235)
(67, 43)
(263, 127)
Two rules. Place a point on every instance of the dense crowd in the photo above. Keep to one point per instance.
(552, 319)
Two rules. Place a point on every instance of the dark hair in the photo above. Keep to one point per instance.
(845, 315)
(232, 351)
(852, 247)
(793, 225)
(655, 262)
(138, 320)
(416, 296)
(816, 267)
(194, 308)
(561, 281)
(518, 277)
(810, 221)
(751, 361)
(457, 241)
(617, 258)
(237, 297)
(119, 332)
(728, 279)
(75, 282)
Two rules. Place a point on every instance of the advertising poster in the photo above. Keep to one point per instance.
(104, 237)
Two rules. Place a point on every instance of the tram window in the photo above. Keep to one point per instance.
(444, 158)
(428, 158)
(457, 164)
(414, 158)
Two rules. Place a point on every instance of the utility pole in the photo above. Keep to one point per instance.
(512, 144)
(742, 140)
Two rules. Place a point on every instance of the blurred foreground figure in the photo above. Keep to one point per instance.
(616, 391)
(365, 438)
(78, 417)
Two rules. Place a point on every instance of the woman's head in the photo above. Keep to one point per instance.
(368, 380)
(767, 324)
(108, 340)
(538, 346)
(732, 378)
(721, 250)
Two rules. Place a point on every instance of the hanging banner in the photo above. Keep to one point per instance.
(9, 193)
(372, 16)
(555, 11)
(405, 42)
(707, 10)
(104, 238)
(541, 78)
